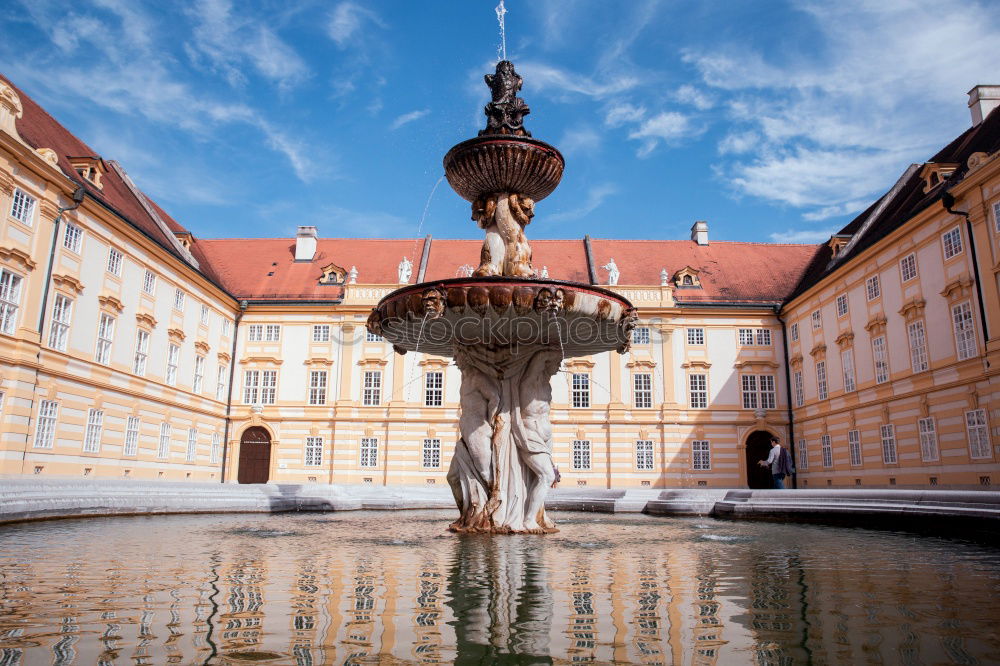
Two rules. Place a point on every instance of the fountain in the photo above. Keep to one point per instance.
(507, 328)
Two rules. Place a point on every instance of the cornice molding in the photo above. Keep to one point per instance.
(67, 283)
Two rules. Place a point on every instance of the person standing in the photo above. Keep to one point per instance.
(779, 461)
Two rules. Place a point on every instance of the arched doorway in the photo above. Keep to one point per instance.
(758, 448)
(255, 456)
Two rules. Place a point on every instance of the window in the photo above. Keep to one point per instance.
(755, 336)
(199, 373)
(173, 354)
(114, 262)
(746, 336)
(642, 390)
(581, 454)
(698, 390)
(72, 237)
(640, 335)
(644, 454)
(581, 389)
(799, 393)
(696, 336)
(888, 444)
(996, 216)
(132, 436)
(758, 391)
(432, 453)
(163, 451)
(965, 335)
(10, 298)
(149, 282)
(763, 337)
(264, 333)
(434, 389)
(221, 376)
(226, 326)
(928, 439)
(952, 241)
(45, 432)
(314, 451)
(317, 387)
(979, 437)
(62, 313)
(22, 207)
(216, 447)
(847, 363)
(371, 337)
(821, 386)
(881, 362)
(817, 320)
(918, 346)
(908, 267)
(204, 315)
(179, 297)
(272, 333)
(141, 352)
(854, 446)
(95, 425)
(105, 335)
(803, 454)
(373, 388)
(701, 455)
(192, 447)
(842, 305)
(268, 386)
(872, 288)
(369, 451)
(251, 387)
(255, 332)
(321, 333)
(826, 447)
(794, 332)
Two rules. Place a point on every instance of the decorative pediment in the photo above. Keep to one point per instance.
(224, 357)
(755, 364)
(434, 362)
(913, 309)
(935, 173)
(876, 325)
(818, 351)
(260, 360)
(67, 283)
(640, 363)
(696, 363)
(687, 277)
(17, 257)
(845, 339)
(373, 363)
(320, 361)
(958, 289)
(145, 319)
(201, 347)
(333, 274)
(176, 334)
(796, 361)
(111, 302)
(582, 364)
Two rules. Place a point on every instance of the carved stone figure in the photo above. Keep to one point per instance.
(505, 250)
(664, 278)
(549, 301)
(352, 277)
(505, 113)
(405, 270)
(545, 272)
(612, 268)
(433, 302)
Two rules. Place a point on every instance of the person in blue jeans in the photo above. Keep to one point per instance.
(779, 461)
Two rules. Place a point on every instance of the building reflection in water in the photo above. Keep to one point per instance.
(357, 591)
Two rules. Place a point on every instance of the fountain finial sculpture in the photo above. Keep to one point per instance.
(507, 329)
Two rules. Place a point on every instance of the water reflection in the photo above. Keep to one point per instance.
(395, 588)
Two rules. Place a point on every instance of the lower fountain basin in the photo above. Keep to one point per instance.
(434, 317)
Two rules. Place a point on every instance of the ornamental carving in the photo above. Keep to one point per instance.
(958, 289)
(224, 357)
(845, 339)
(641, 363)
(876, 325)
(145, 319)
(696, 363)
(111, 302)
(201, 347)
(48, 155)
(913, 309)
(67, 283)
(260, 360)
(506, 111)
(819, 351)
(176, 334)
(20, 258)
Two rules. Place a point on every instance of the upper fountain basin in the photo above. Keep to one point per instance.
(495, 163)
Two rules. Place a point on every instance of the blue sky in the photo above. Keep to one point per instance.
(774, 121)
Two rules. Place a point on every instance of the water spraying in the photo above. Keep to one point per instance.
(502, 49)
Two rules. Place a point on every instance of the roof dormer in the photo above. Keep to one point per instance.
(90, 167)
(333, 274)
(687, 277)
(935, 173)
(837, 243)
(186, 238)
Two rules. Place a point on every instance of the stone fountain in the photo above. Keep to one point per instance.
(507, 329)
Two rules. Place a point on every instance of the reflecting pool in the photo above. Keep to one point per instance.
(395, 587)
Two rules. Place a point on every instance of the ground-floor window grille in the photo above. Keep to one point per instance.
(432, 453)
(928, 439)
(979, 437)
(854, 446)
(581, 454)
(132, 436)
(369, 451)
(644, 454)
(95, 426)
(701, 455)
(314, 451)
(888, 432)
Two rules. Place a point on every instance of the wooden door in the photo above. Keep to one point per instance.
(255, 456)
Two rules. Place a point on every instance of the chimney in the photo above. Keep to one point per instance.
(699, 232)
(305, 244)
(982, 100)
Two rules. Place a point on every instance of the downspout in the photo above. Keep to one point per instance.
(591, 271)
(788, 398)
(948, 200)
(229, 396)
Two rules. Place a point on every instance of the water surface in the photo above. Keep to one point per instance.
(395, 587)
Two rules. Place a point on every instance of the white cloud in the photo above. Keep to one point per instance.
(668, 126)
(738, 142)
(548, 77)
(802, 236)
(622, 113)
(839, 209)
(595, 197)
(347, 20)
(699, 99)
(579, 140)
(408, 118)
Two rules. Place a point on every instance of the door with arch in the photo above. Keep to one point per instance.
(757, 449)
(255, 456)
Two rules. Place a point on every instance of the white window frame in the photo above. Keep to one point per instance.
(268, 387)
(203, 320)
(696, 336)
(793, 331)
(826, 448)
(226, 326)
(163, 448)
(105, 339)
(431, 451)
(221, 377)
(22, 207)
(798, 389)
(372, 337)
(822, 387)
(854, 447)
(45, 430)
(758, 391)
(640, 335)
(313, 452)
(434, 388)
(701, 455)
(255, 333)
(917, 336)
(73, 237)
(908, 267)
(929, 451)
(62, 317)
(369, 452)
(964, 327)
(847, 365)
(762, 337)
(95, 430)
(10, 300)
(996, 216)
(115, 261)
(216, 448)
(817, 319)
(580, 390)
(272, 332)
(581, 460)
(173, 359)
(199, 374)
(141, 352)
(642, 390)
(842, 306)
(251, 387)
(644, 455)
(179, 299)
(978, 432)
(318, 380)
(951, 243)
(149, 282)
(873, 288)
(132, 426)
(372, 391)
(881, 359)
(321, 333)
(698, 390)
(191, 453)
(888, 435)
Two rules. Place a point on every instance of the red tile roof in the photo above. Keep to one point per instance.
(565, 259)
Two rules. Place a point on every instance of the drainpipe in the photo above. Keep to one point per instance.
(788, 398)
(78, 195)
(948, 200)
(229, 395)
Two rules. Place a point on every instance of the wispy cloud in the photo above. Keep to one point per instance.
(579, 140)
(544, 76)
(347, 23)
(595, 197)
(802, 235)
(666, 127)
(621, 113)
(407, 118)
(699, 99)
